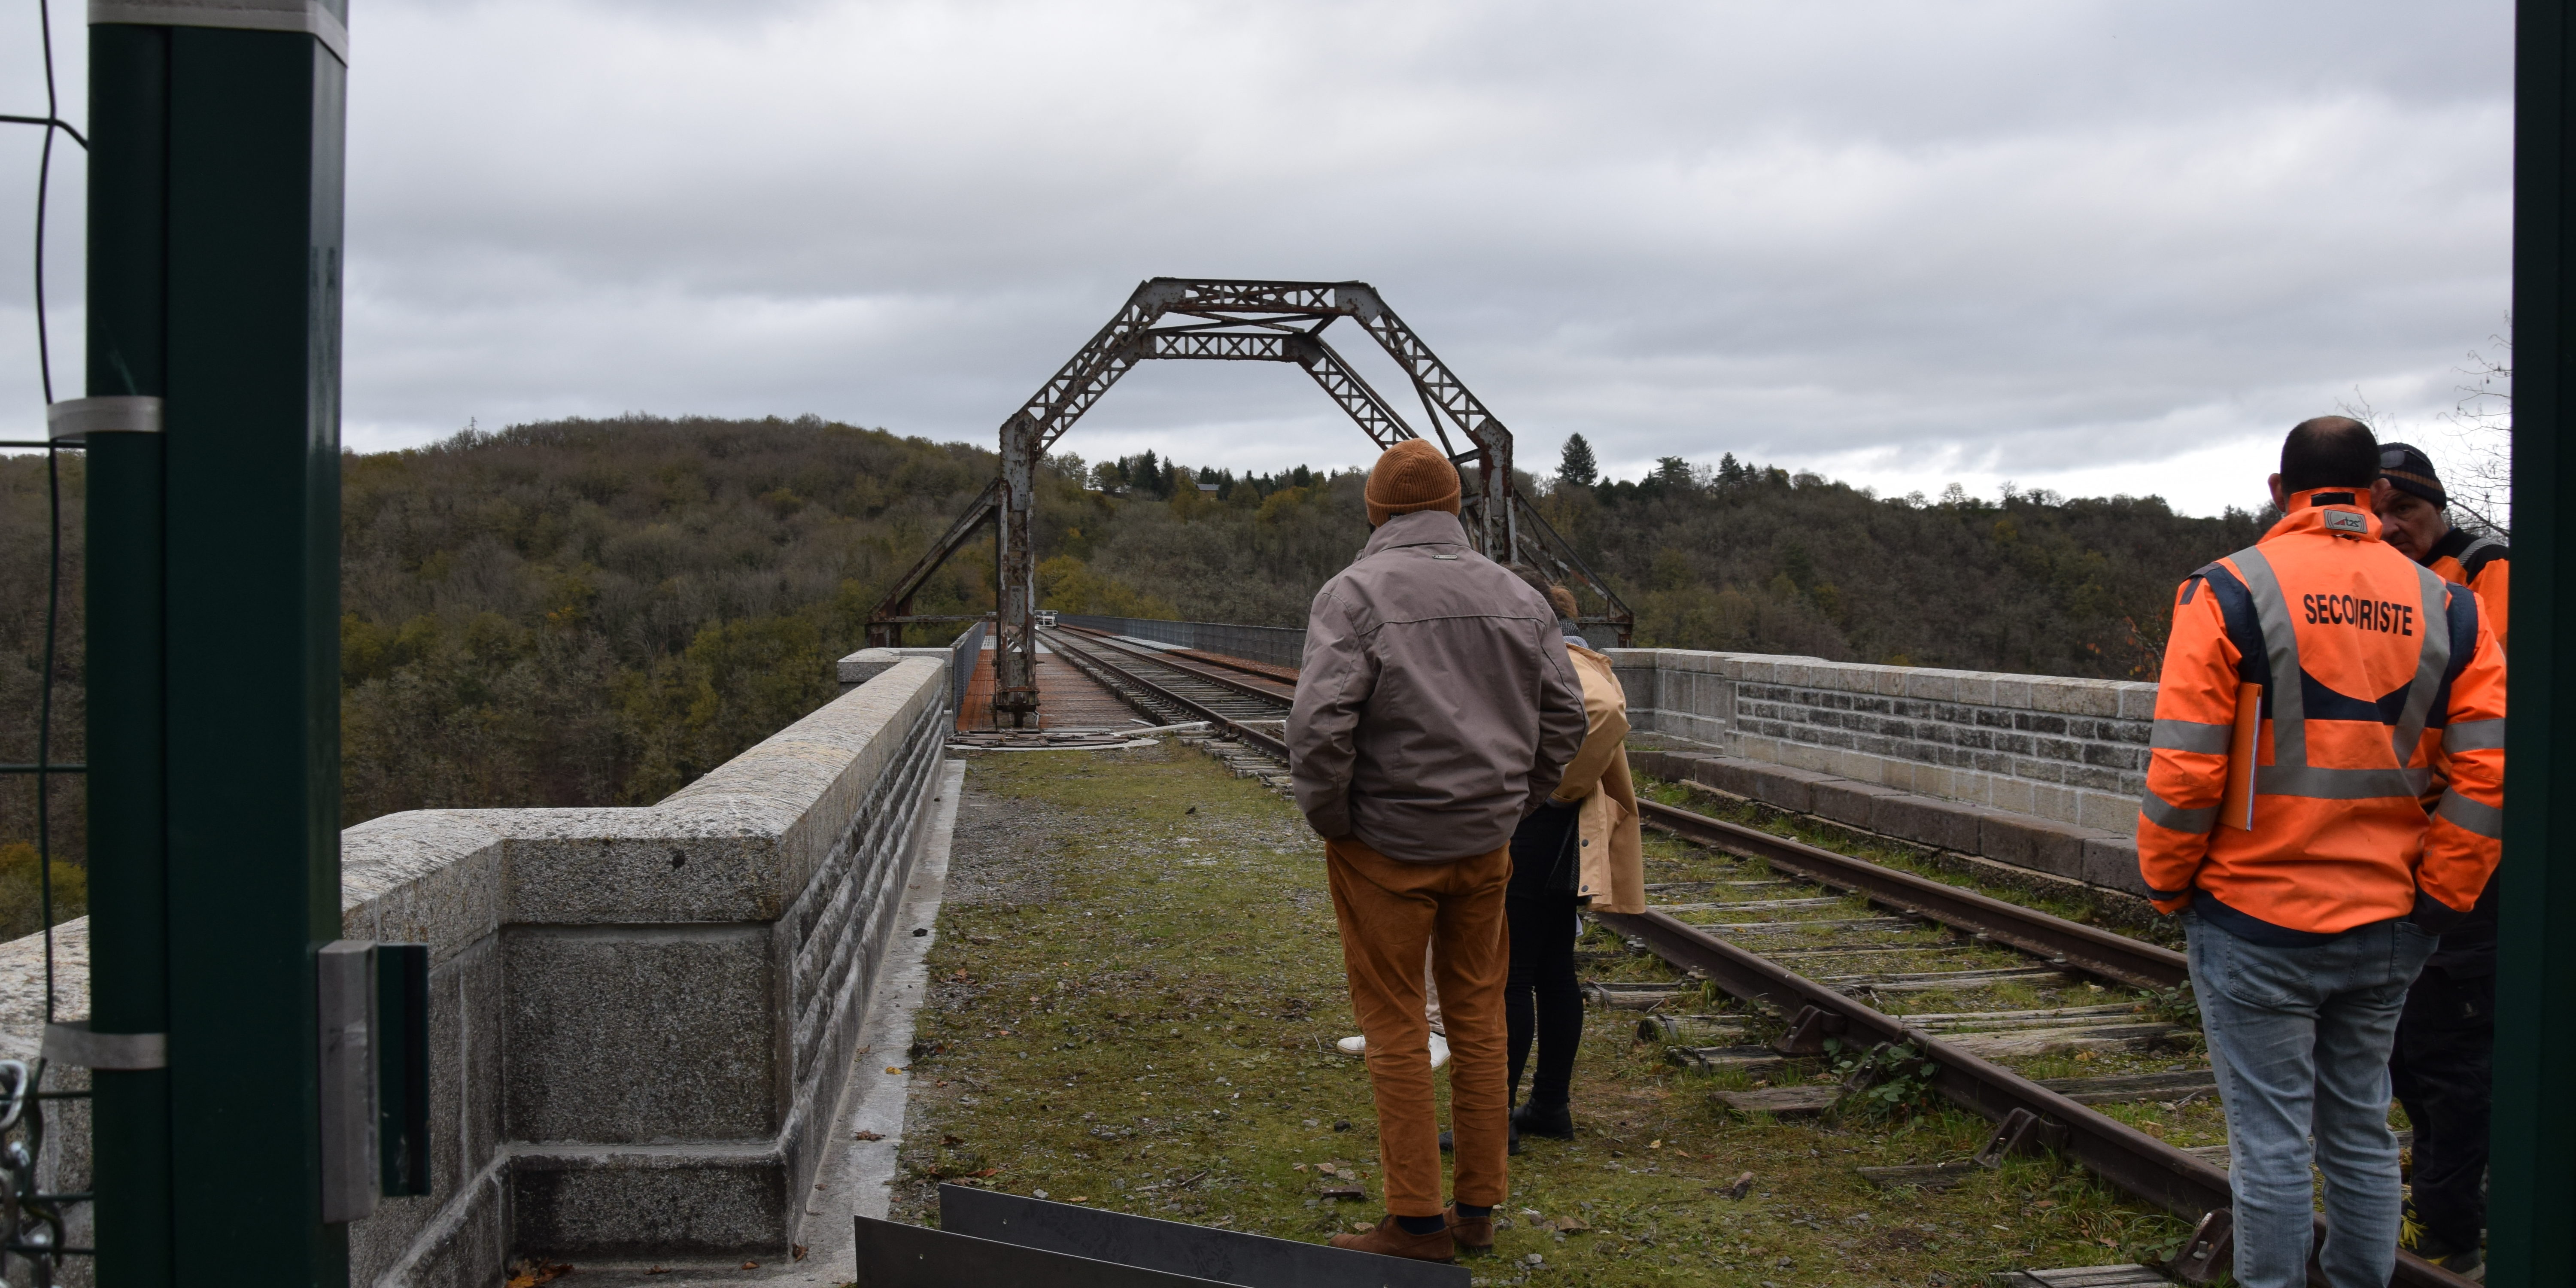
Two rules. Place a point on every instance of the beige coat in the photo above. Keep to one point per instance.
(1614, 859)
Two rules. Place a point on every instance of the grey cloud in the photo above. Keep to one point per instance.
(2023, 240)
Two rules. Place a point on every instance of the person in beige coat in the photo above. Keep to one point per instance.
(1582, 849)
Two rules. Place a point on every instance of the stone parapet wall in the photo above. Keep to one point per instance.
(2073, 751)
(640, 1019)
(2036, 772)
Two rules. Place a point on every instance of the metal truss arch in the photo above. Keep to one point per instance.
(1239, 320)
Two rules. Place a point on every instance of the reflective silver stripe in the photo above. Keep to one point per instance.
(311, 17)
(2474, 735)
(2485, 820)
(2165, 814)
(73, 420)
(2281, 644)
(2190, 735)
(2339, 784)
(2434, 659)
(2470, 551)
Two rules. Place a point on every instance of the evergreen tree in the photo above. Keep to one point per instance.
(1577, 465)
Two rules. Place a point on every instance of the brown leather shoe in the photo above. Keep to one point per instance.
(1474, 1234)
(1392, 1240)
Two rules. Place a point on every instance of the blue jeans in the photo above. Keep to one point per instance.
(2300, 1038)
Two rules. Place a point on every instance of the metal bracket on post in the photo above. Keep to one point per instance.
(73, 420)
(402, 1067)
(72, 1045)
(373, 1005)
(310, 17)
(345, 991)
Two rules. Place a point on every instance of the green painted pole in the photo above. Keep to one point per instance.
(129, 924)
(215, 663)
(2532, 1217)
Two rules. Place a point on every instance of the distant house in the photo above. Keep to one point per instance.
(1209, 488)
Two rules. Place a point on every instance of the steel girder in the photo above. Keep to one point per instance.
(1237, 321)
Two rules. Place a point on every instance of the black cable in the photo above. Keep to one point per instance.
(44, 179)
(44, 766)
(64, 126)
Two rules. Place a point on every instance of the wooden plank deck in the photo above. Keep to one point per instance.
(1067, 699)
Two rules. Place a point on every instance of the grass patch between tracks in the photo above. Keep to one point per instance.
(1134, 1005)
(2126, 915)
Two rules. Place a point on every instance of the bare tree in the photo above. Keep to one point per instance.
(2476, 461)
(2479, 475)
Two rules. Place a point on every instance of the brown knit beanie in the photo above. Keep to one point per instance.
(1411, 476)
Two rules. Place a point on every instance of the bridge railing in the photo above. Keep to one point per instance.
(641, 1019)
(962, 657)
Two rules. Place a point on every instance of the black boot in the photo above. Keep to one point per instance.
(1535, 1119)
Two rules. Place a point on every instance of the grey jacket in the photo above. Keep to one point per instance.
(1435, 705)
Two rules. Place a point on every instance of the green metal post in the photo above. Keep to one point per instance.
(129, 925)
(216, 256)
(2532, 1219)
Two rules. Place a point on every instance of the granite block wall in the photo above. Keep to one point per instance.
(2073, 751)
(640, 1018)
(2035, 772)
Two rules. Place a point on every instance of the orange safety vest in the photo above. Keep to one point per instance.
(2482, 564)
(2370, 679)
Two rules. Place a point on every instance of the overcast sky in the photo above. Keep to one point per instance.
(2088, 246)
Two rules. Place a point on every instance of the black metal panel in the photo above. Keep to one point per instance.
(894, 1255)
(1219, 1256)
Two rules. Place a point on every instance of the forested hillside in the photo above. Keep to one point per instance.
(596, 612)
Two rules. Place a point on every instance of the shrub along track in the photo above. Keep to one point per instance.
(1995, 1000)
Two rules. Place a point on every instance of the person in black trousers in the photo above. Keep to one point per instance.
(1579, 849)
(1542, 998)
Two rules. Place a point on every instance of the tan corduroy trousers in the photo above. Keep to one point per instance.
(1388, 912)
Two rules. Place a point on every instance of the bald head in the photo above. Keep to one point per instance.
(2329, 451)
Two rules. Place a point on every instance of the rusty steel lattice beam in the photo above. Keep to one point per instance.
(1237, 321)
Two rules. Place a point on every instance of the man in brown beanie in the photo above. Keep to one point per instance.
(1435, 707)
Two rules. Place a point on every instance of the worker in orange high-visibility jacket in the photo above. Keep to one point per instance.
(2314, 687)
(2415, 517)
(2443, 1067)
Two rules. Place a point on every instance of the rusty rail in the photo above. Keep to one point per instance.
(1267, 688)
(1099, 658)
(2089, 949)
(2031, 1116)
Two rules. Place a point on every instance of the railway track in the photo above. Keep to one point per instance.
(1248, 706)
(2006, 1002)
(2029, 1019)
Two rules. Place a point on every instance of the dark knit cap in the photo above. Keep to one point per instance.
(2410, 471)
(1411, 476)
